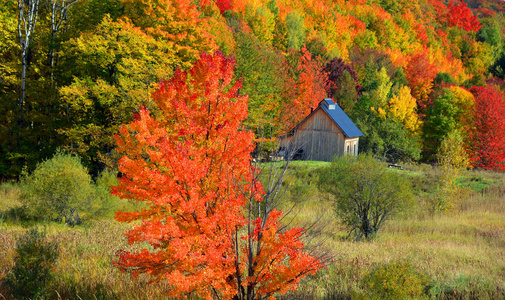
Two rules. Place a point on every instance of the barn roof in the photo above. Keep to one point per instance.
(337, 115)
(340, 118)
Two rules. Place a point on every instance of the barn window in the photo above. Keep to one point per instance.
(348, 148)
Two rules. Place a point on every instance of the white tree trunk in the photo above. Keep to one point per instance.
(27, 20)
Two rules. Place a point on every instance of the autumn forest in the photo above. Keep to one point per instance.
(407, 73)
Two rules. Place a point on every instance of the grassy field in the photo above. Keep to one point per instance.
(461, 252)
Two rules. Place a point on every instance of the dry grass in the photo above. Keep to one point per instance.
(84, 269)
(462, 252)
(9, 195)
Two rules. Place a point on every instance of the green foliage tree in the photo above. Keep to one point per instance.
(498, 67)
(490, 32)
(87, 15)
(296, 30)
(342, 83)
(115, 69)
(103, 193)
(265, 76)
(387, 138)
(442, 116)
(385, 134)
(365, 193)
(9, 83)
(368, 63)
(59, 189)
(34, 259)
(346, 95)
(444, 78)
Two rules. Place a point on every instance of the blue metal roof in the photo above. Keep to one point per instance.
(340, 118)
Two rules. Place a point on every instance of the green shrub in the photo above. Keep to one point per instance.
(59, 189)
(108, 203)
(394, 281)
(365, 192)
(34, 260)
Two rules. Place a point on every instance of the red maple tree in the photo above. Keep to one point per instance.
(192, 169)
(224, 5)
(461, 16)
(488, 133)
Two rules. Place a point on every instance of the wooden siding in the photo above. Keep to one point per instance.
(320, 139)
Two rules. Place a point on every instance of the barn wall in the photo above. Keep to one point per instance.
(285, 141)
(319, 137)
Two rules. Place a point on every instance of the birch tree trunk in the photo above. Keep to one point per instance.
(58, 10)
(27, 21)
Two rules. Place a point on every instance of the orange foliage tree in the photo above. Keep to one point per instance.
(178, 23)
(192, 169)
(420, 74)
(310, 89)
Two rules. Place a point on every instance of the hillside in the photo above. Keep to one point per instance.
(407, 72)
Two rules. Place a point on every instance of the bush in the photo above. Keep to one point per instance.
(108, 202)
(365, 191)
(34, 259)
(59, 189)
(394, 281)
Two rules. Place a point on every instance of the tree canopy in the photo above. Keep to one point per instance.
(71, 75)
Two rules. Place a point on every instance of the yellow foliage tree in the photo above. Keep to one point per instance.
(402, 107)
(464, 100)
(179, 24)
(129, 64)
(452, 158)
(381, 93)
(262, 22)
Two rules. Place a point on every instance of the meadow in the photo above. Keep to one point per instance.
(461, 252)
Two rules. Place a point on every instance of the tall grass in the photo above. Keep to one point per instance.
(84, 268)
(462, 253)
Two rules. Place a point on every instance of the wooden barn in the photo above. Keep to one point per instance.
(327, 131)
